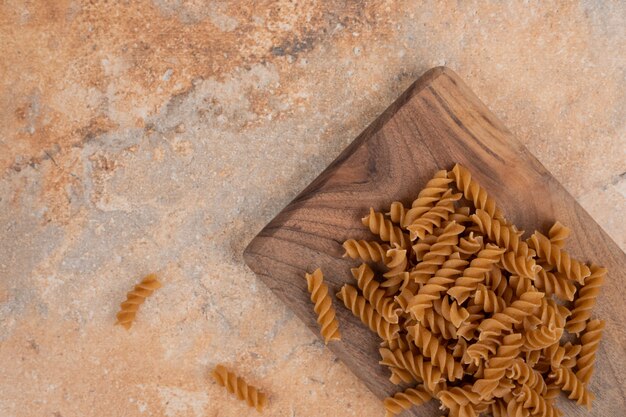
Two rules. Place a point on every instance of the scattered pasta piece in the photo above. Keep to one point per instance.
(329, 327)
(239, 387)
(465, 307)
(135, 298)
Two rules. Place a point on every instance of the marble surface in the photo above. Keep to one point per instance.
(160, 136)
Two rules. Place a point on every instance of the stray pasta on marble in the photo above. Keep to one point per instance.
(469, 312)
(135, 298)
(237, 386)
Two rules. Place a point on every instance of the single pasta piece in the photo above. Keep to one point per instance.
(475, 273)
(558, 234)
(363, 310)
(497, 365)
(434, 217)
(135, 298)
(376, 296)
(329, 326)
(567, 380)
(473, 192)
(397, 212)
(366, 250)
(589, 340)
(239, 387)
(586, 300)
(553, 255)
(385, 229)
(405, 399)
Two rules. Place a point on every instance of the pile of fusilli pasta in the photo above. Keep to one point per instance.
(468, 311)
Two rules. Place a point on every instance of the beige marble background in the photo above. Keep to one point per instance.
(161, 136)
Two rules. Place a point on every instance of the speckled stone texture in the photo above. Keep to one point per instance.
(161, 136)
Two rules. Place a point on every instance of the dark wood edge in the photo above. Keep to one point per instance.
(427, 78)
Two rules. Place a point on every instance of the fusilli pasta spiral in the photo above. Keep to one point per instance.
(419, 368)
(135, 298)
(433, 288)
(425, 200)
(329, 326)
(438, 354)
(489, 300)
(385, 229)
(396, 262)
(475, 273)
(558, 234)
(372, 292)
(589, 340)
(536, 403)
(366, 250)
(586, 300)
(567, 380)
(405, 399)
(556, 284)
(558, 258)
(239, 387)
(363, 310)
(497, 365)
(433, 218)
(512, 314)
(473, 191)
(437, 254)
(470, 309)
(523, 373)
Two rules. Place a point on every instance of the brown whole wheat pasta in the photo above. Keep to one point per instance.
(466, 306)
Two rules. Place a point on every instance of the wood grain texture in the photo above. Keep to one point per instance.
(438, 121)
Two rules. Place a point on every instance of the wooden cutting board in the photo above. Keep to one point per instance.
(438, 121)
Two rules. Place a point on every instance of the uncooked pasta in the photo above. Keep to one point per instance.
(237, 386)
(135, 298)
(323, 306)
(470, 312)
